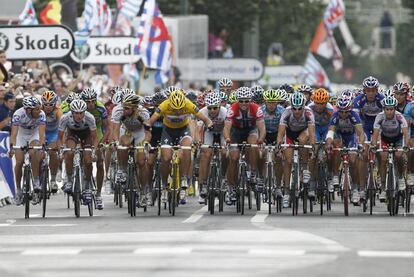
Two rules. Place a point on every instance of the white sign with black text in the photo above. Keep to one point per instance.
(106, 50)
(235, 69)
(36, 42)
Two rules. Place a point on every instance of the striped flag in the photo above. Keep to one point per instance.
(314, 74)
(130, 8)
(28, 15)
(96, 16)
(51, 14)
(154, 42)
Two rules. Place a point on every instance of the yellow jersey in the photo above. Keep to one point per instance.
(173, 118)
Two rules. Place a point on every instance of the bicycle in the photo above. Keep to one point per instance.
(156, 180)
(44, 179)
(371, 185)
(269, 182)
(345, 176)
(391, 179)
(295, 184)
(77, 177)
(27, 177)
(322, 191)
(214, 181)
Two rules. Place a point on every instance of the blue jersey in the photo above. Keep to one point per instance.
(408, 113)
(272, 120)
(345, 126)
(368, 110)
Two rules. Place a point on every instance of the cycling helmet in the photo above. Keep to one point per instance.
(305, 89)
(49, 97)
(344, 104)
(148, 102)
(257, 94)
(388, 93)
(31, 102)
(78, 106)
(348, 94)
(272, 95)
(117, 98)
(170, 89)
(223, 96)
(284, 96)
(370, 82)
(71, 96)
(114, 90)
(297, 99)
(126, 91)
(287, 88)
(233, 97)
(177, 99)
(89, 94)
(333, 99)
(244, 93)
(212, 99)
(225, 82)
(191, 95)
(401, 87)
(131, 100)
(389, 101)
(158, 98)
(320, 96)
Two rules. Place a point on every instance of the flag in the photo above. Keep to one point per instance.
(28, 15)
(51, 14)
(130, 8)
(7, 188)
(314, 74)
(154, 42)
(96, 16)
(324, 43)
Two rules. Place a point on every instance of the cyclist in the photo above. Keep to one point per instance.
(345, 130)
(217, 114)
(232, 97)
(244, 123)
(225, 85)
(272, 112)
(307, 91)
(53, 114)
(369, 104)
(80, 127)
(65, 105)
(392, 129)
(406, 107)
(176, 111)
(28, 125)
(322, 111)
(98, 110)
(127, 122)
(257, 92)
(297, 124)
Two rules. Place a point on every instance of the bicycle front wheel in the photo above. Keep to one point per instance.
(26, 192)
(45, 181)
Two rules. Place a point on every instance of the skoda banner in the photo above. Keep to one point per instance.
(106, 50)
(36, 42)
(6, 168)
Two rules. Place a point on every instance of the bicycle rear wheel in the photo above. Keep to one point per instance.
(174, 189)
(391, 190)
(269, 186)
(294, 189)
(131, 193)
(212, 188)
(26, 192)
(77, 193)
(158, 186)
(345, 193)
(45, 181)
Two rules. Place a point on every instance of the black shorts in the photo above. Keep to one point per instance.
(173, 136)
(156, 136)
(239, 135)
(271, 138)
(293, 136)
(82, 136)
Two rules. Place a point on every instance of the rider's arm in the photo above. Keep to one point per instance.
(42, 130)
(226, 130)
(154, 117)
(115, 131)
(106, 126)
(148, 135)
(330, 135)
(207, 121)
(60, 139)
(280, 134)
(13, 136)
(360, 133)
(94, 138)
(311, 129)
(262, 129)
(374, 137)
(405, 135)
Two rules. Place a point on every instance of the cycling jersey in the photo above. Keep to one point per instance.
(297, 125)
(53, 118)
(100, 115)
(390, 128)
(131, 123)
(345, 126)
(173, 118)
(244, 119)
(272, 119)
(409, 116)
(368, 111)
(218, 126)
(321, 121)
(87, 123)
(26, 123)
(65, 107)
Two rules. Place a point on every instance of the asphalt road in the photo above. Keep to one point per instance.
(194, 243)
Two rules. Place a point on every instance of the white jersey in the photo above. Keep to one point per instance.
(26, 123)
(67, 122)
(131, 123)
(218, 121)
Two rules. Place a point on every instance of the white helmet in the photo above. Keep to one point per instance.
(78, 106)
(212, 99)
(225, 82)
(117, 98)
(31, 102)
(244, 93)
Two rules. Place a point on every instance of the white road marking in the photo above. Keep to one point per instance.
(160, 251)
(385, 254)
(276, 252)
(261, 215)
(51, 251)
(197, 215)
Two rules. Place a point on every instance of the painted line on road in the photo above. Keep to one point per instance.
(158, 251)
(272, 252)
(261, 215)
(197, 215)
(385, 254)
(51, 251)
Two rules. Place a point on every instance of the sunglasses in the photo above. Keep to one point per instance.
(49, 105)
(297, 109)
(90, 101)
(389, 109)
(344, 112)
(127, 108)
(212, 108)
(244, 101)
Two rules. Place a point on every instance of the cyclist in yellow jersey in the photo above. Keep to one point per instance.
(176, 112)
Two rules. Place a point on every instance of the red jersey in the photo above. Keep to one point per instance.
(246, 119)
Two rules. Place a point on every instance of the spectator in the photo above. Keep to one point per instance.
(6, 111)
(2, 93)
(4, 77)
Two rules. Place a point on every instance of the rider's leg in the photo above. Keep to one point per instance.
(18, 168)
(185, 161)
(99, 171)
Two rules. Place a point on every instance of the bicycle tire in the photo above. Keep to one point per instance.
(305, 199)
(294, 193)
(68, 200)
(269, 186)
(131, 191)
(407, 198)
(158, 186)
(45, 181)
(345, 193)
(174, 188)
(242, 188)
(26, 192)
(77, 193)
(91, 206)
(212, 189)
(390, 190)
